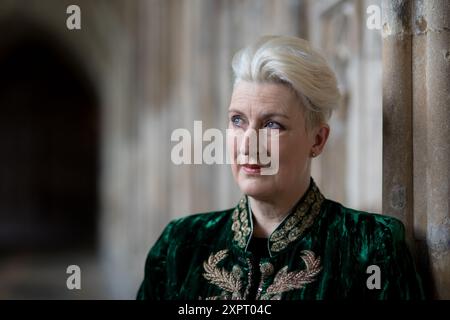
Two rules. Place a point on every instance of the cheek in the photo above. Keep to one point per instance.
(233, 140)
(231, 143)
(293, 153)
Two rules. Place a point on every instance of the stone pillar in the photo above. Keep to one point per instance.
(397, 114)
(416, 143)
(437, 21)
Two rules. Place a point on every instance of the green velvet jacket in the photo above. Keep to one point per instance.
(321, 250)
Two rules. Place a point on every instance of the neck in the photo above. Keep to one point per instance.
(268, 214)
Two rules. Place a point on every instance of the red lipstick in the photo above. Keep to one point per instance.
(251, 168)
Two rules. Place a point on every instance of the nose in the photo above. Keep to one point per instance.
(244, 145)
(248, 147)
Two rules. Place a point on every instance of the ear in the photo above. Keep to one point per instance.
(320, 137)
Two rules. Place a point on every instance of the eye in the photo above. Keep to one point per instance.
(236, 120)
(273, 125)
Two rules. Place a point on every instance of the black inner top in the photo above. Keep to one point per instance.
(259, 250)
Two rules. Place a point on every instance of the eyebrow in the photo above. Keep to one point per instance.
(264, 114)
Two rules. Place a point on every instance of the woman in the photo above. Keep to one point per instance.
(283, 240)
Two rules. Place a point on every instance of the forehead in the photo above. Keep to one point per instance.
(248, 94)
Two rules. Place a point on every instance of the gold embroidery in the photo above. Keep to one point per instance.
(298, 222)
(286, 281)
(289, 231)
(228, 281)
(240, 225)
(249, 279)
(231, 284)
(266, 269)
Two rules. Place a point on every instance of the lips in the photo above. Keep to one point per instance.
(252, 168)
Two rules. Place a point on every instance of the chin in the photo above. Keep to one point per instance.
(256, 189)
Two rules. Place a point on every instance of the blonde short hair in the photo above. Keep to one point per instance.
(291, 61)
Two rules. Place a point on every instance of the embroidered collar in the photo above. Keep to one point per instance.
(290, 229)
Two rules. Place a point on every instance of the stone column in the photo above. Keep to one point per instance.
(416, 143)
(437, 22)
(397, 114)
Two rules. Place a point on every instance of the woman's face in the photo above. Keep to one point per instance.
(274, 107)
